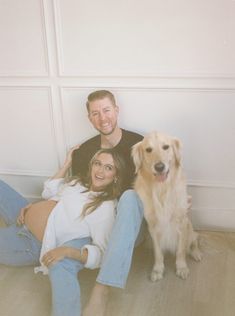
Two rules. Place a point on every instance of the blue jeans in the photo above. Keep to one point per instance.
(64, 283)
(22, 248)
(116, 262)
(19, 247)
(126, 233)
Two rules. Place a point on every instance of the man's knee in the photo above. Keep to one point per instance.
(130, 197)
(129, 212)
(130, 204)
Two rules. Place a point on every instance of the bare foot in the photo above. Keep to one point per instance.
(98, 301)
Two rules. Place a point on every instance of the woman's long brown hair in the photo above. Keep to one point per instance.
(113, 190)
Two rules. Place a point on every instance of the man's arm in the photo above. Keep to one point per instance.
(82, 156)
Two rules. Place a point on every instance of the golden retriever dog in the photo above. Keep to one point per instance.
(161, 185)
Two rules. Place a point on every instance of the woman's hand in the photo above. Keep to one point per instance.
(60, 253)
(20, 218)
(55, 255)
(68, 160)
(67, 164)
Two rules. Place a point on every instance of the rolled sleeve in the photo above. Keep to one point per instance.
(94, 257)
(51, 188)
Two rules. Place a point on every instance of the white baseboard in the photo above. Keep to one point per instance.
(213, 219)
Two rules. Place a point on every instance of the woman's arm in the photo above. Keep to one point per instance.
(61, 173)
(60, 253)
(100, 224)
(53, 185)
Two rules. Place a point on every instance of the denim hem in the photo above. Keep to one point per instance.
(108, 283)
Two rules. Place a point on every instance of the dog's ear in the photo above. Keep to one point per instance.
(137, 155)
(177, 151)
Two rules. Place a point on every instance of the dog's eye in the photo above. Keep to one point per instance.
(148, 149)
(165, 147)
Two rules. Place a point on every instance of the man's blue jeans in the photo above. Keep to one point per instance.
(125, 235)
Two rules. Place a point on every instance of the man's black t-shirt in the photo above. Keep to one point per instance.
(83, 155)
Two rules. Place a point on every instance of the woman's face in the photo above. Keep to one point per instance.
(103, 172)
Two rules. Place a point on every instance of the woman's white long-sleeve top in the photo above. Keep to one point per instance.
(66, 223)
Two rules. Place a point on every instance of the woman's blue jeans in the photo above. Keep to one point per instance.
(64, 283)
(19, 247)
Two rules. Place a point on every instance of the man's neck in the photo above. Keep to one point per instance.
(110, 141)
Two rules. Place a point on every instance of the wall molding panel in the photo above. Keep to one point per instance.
(150, 44)
(167, 71)
(138, 83)
(29, 124)
(27, 39)
(208, 184)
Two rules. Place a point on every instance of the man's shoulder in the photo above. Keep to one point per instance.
(91, 141)
(130, 136)
(89, 145)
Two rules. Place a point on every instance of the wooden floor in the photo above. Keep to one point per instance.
(209, 290)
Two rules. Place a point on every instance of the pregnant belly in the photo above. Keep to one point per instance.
(36, 217)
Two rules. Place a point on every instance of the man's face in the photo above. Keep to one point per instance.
(103, 115)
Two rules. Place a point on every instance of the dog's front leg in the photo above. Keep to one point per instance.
(182, 270)
(158, 268)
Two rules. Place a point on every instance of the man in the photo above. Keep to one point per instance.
(103, 115)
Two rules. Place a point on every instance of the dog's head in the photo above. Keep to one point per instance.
(157, 154)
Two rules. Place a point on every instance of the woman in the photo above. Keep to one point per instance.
(67, 231)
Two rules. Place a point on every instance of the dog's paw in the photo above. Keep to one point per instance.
(157, 272)
(156, 276)
(182, 272)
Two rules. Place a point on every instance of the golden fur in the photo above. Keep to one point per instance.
(161, 185)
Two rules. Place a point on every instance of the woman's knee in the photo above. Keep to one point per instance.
(65, 267)
(57, 273)
(59, 267)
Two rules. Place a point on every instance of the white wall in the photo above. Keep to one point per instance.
(170, 64)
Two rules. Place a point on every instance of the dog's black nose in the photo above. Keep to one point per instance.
(159, 167)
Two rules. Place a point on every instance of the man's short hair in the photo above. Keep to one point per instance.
(99, 95)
